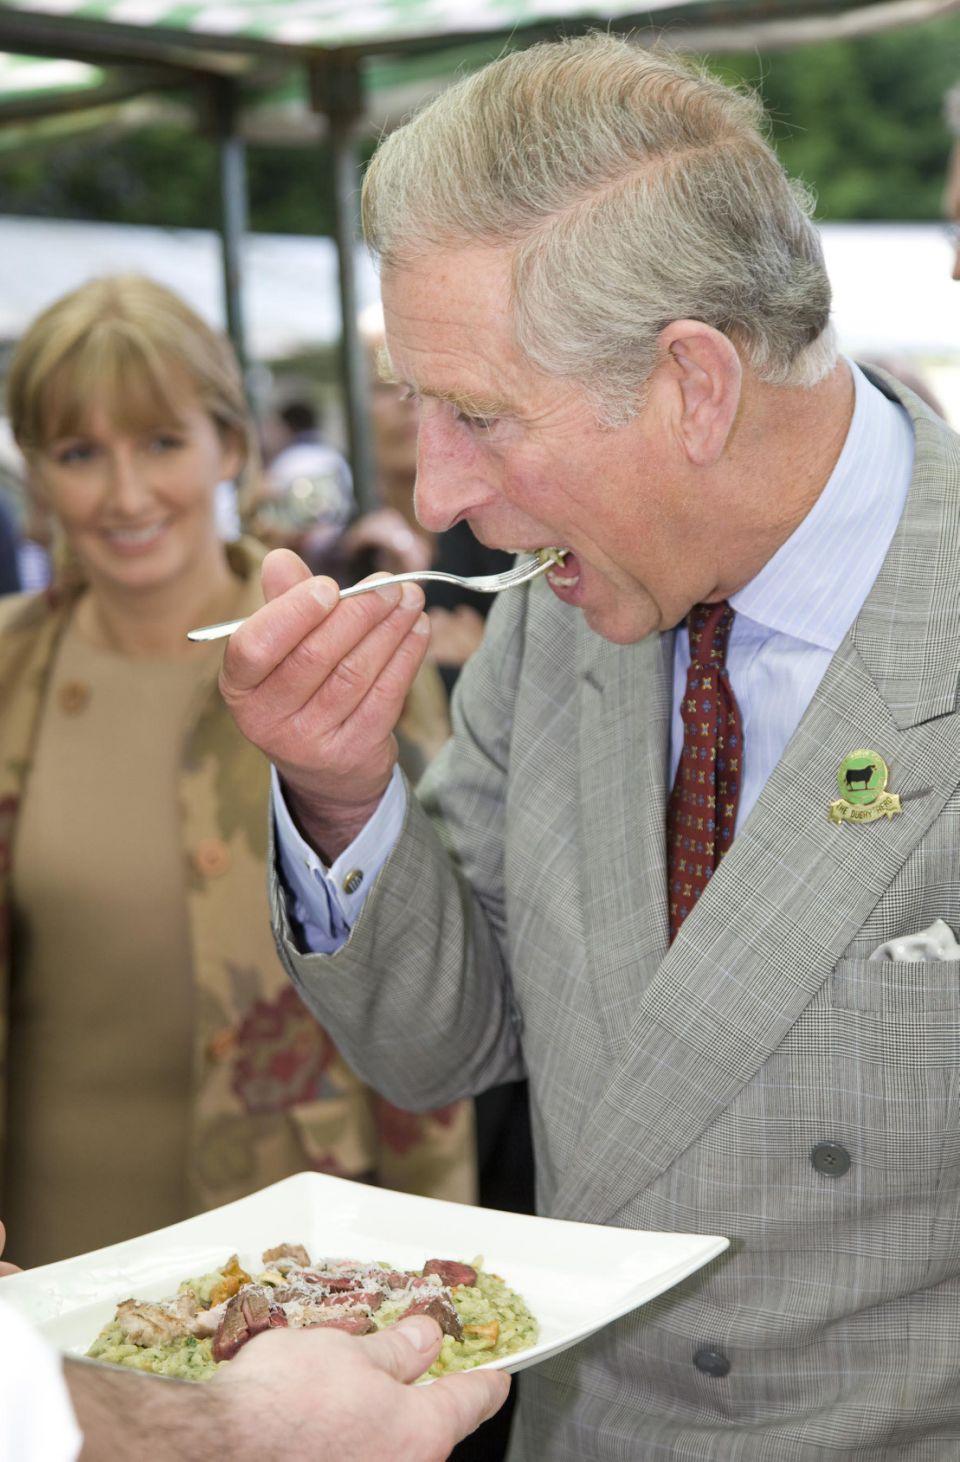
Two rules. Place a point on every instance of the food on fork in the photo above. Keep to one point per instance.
(211, 1317)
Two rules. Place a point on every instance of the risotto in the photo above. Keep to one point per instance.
(211, 1316)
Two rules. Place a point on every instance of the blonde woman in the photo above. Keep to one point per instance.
(157, 1060)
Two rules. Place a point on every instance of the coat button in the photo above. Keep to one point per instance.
(353, 880)
(830, 1159)
(711, 1362)
(211, 857)
(73, 696)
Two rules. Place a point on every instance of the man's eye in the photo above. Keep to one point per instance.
(476, 423)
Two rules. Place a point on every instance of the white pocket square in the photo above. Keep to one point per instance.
(937, 942)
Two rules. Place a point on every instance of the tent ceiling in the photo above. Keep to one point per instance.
(86, 56)
(172, 29)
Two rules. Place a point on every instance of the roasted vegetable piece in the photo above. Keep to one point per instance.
(233, 1278)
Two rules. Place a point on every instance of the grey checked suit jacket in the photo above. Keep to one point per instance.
(685, 1088)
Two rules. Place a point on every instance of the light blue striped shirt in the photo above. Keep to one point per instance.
(793, 616)
(789, 621)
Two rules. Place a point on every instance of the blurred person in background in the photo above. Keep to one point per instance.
(9, 552)
(158, 1062)
(305, 498)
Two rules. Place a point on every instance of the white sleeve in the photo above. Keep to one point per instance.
(324, 903)
(37, 1423)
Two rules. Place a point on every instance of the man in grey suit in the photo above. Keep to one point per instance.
(680, 861)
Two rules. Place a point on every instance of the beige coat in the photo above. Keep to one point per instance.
(271, 1094)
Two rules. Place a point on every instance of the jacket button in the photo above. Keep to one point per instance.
(830, 1159)
(73, 696)
(711, 1362)
(211, 857)
(353, 881)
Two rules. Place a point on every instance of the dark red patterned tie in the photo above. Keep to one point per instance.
(702, 811)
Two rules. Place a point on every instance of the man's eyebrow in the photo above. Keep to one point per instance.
(471, 403)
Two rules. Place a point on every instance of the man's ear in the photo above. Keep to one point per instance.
(705, 371)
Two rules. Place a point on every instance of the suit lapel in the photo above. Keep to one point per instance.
(624, 727)
(794, 888)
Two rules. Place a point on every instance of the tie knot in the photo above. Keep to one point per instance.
(709, 628)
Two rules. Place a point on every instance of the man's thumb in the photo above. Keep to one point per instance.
(407, 1349)
(282, 568)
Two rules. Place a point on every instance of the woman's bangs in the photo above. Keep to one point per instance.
(137, 391)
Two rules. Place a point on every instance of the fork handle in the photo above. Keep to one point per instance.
(220, 631)
(413, 577)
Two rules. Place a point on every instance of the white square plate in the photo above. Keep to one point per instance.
(575, 1277)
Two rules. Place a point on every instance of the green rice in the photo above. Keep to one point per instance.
(488, 1303)
(189, 1359)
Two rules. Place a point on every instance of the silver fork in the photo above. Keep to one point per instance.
(521, 573)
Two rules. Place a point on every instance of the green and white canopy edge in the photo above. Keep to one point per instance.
(291, 70)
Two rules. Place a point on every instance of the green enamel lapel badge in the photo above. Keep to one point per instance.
(862, 778)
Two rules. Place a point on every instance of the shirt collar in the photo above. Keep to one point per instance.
(815, 585)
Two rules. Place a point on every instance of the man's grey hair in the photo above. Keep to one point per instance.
(632, 189)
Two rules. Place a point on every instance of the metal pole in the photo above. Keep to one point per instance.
(338, 92)
(231, 153)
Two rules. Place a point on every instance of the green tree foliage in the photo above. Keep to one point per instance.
(166, 175)
(860, 121)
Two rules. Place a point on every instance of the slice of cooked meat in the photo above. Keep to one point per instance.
(231, 1333)
(207, 1322)
(295, 1253)
(335, 1283)
(440, 1309)
(144, 1323)
(353, 1324)
(451, 1272)
(259, 1311)
(247, 1314)
(372, 1298)
(302, 1312)
(390, 1278)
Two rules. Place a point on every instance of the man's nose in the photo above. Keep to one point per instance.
(449, 483)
